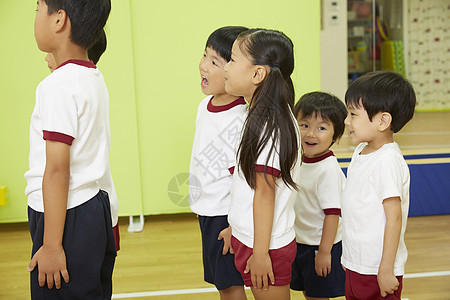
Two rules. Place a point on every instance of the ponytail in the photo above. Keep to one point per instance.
(270, 120)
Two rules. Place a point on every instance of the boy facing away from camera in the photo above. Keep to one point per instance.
(69, 210)
(375, 201)
(220, 117)
(317, 267)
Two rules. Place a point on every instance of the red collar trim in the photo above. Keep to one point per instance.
(84, 63)
(216, 109)
(312, 160)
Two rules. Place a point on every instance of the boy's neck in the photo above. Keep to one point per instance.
(70, 51)
(382, 139)
(223, 99)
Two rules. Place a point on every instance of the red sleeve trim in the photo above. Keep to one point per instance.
(332, 211)
(231, 170)
(58, 137)
(268, 170)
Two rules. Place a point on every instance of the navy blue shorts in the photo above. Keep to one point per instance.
(88, 242)
(218, 269)
(305, 278)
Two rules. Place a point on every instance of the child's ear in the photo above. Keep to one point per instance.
(385, 121)
(60, 20)
(259, 74)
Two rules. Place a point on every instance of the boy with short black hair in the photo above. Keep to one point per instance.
(70, 214)
(375, 200)
(220, 117)
(317, 267)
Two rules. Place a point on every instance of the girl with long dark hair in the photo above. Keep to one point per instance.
(261, 213)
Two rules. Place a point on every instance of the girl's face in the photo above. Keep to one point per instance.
(239, 73)
(316, 135)
(212, 73)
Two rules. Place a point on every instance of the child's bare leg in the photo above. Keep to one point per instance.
(235, 292)
(274, 293)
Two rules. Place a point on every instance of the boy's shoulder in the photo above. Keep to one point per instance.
(390, 151)
(69, 84)
(330, 169)
(59, 79)
(388, 159)
(331, 163)
(69, 72)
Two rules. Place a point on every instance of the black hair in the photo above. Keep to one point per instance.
(97, 48)
(326, 106)
(383, 91)
(87, 18)
(222, 39)
(270, 120)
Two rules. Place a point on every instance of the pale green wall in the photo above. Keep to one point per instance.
(151, 70)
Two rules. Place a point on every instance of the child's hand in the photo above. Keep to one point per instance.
(323, 263)
(226, 236)
(388, 283)
(260, 268)
(52, 264)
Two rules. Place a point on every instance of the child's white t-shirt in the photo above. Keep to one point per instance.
(72, 107)
(240, 215)
(371, 178)
(217, 129)
(320, 182)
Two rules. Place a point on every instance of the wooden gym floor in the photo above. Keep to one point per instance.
(164, 261)
(166, 258)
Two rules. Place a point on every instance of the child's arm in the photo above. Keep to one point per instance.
(225, 234)
(323, 257)
(387, 281)
(259, 264)
(51, 258)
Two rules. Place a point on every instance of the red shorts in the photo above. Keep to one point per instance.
(281, 261)
(358, 286)
(116, 237)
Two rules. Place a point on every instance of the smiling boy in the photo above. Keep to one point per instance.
(375, 200)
